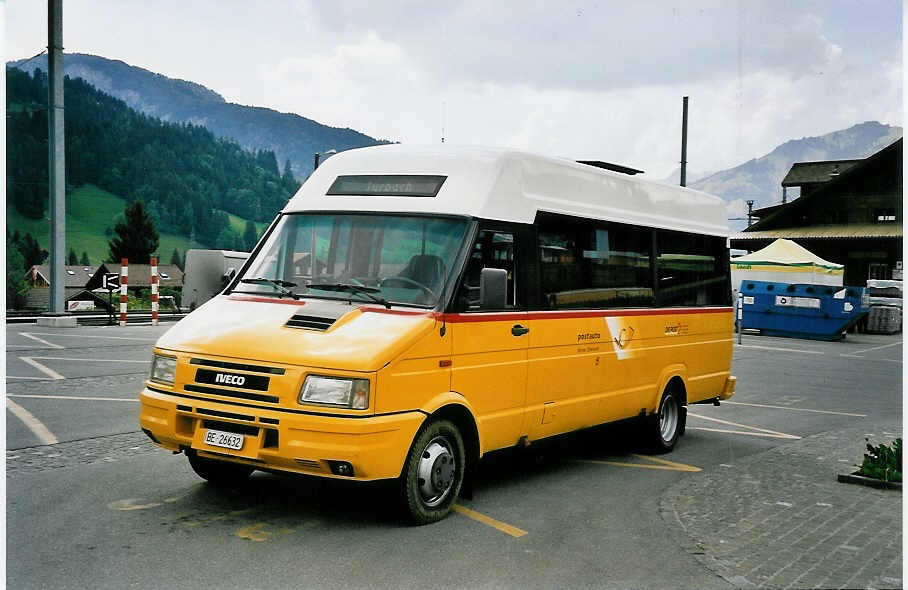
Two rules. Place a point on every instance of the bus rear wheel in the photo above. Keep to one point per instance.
(218, 473)
(433, 472)
(665, 426)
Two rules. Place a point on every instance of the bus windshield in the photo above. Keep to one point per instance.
(389, 259)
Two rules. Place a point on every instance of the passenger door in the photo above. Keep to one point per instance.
(490, 345)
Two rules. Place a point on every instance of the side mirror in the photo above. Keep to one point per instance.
(493, 288)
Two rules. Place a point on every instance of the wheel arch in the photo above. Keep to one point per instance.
(675, 377)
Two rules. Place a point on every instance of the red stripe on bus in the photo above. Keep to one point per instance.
(555, 315)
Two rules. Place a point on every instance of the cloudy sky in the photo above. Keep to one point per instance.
(585, 79)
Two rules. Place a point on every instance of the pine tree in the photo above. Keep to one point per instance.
(84, 261)
(137, 238)
(250, 236)
(71, 258)
(16, 285)
(31, 251)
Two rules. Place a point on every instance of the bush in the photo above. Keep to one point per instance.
(883, 462)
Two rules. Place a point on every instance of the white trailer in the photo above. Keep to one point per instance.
(207, 273)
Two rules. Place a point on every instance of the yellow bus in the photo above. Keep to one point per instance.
(413, 309)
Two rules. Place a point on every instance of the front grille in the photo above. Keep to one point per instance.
(309, 322)
(259, 397)
(237, 366)
(208, 412)
(230, 427)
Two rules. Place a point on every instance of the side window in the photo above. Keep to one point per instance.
(594, 265)
(492, 249)
(692, 269)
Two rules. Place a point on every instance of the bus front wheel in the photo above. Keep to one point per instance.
(433, 472)
(665, 426)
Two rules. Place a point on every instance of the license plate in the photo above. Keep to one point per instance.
(226, 440)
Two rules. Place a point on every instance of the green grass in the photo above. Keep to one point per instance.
(239, 224)
(89, 210)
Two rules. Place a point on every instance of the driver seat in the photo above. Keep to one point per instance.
(426, 269)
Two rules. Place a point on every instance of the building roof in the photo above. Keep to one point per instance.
(815, 172)
(861, 230)
(508, 185)
(890, 153)
(76, 275)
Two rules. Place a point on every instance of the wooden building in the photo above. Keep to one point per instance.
(849, 212)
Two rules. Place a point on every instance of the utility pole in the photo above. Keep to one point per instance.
(750, 211)
(684, 141)
(56, 165)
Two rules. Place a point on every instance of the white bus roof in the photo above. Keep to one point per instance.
(508, 185)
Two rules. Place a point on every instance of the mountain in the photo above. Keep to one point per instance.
(190, 180)
(288, 135)
(760, 179)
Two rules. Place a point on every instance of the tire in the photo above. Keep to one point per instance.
(663, 428)
(433, 472)
(219, 473)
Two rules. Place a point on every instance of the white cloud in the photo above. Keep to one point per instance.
(577, 78)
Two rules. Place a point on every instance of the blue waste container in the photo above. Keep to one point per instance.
(818, 312)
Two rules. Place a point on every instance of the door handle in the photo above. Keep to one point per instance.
(518, 330)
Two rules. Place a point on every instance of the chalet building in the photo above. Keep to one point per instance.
(38, 278)
(848, 211)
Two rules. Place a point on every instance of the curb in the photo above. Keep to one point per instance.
(869, 481)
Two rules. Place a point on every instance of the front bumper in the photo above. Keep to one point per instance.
(376, 446)
(729, 389)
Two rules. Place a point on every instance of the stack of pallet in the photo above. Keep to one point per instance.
(885, 306)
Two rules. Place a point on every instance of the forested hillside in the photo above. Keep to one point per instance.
(189, 179)
(289, 135)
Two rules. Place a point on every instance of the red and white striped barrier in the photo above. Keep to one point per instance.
(124, 279)
(154, 291)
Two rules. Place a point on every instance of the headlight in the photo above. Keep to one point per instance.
(335, 391)
(163, 368)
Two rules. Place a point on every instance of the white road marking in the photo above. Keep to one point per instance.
(92, 360)
(102, 337)
(763, 434)
(795, 409)
(47, 371)
(15, 377)
(33, 424)
(89, 399)
(764, 430)
(869, 349)
(41, 340)
(779, 349)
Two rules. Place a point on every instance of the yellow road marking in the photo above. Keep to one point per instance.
(764, 430)
(38, 429)
(132, 504)
(795, 409)
(663, 464)
(487, 520)
(763, 434)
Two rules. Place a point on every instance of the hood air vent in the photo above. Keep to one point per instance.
(308, 322)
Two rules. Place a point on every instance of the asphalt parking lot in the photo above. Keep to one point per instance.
(747, 499)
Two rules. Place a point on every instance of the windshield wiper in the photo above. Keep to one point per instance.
(356, 289)
(276, 283)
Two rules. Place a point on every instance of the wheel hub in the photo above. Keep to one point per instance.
(668, 419)
(436, 472)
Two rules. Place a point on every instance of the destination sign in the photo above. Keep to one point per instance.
(387, 185)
